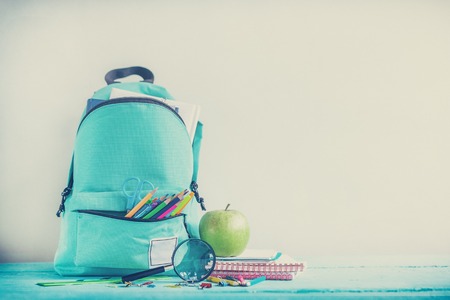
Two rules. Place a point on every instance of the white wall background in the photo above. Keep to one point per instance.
(326, 122)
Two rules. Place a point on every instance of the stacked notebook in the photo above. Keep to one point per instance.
(255, 263)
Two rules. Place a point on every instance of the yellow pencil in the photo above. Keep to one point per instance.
(140, 204)
(218, 280)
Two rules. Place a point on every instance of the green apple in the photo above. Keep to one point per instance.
(227, 231)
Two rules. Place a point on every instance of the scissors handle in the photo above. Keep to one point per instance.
(134, 188)
(152, 187)
(135, 191)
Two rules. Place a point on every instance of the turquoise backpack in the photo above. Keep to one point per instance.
(116, 140)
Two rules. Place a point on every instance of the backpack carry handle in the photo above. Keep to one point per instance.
(112, 75)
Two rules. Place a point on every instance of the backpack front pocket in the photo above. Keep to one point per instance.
(106, 240)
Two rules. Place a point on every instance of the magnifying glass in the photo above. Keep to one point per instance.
(193, 260)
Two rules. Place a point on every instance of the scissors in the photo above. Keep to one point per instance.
(133, 189)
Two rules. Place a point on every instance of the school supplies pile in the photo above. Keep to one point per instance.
(127, 203)
(252, 264)
(160, 208)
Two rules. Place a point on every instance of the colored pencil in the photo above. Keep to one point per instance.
(182, 204)
(140, 204)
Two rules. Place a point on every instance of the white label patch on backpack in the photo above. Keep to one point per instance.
(161, 250)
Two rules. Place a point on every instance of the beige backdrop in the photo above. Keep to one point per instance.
(326, 122)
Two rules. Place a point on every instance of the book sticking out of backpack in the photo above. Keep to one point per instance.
(133, 175)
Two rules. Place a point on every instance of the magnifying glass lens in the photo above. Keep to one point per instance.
(193, 260)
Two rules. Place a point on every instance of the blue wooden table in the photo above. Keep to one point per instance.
(325, 277)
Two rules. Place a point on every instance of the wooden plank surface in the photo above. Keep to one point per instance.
(325, 277)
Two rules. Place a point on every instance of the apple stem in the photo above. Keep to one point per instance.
(227, 206)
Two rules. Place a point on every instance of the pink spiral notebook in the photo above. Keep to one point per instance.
(272, 263)
(253, 275)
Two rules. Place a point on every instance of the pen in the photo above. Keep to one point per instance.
(143, 211)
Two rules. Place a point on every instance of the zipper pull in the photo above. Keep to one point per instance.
(64, 195)
(194, 188)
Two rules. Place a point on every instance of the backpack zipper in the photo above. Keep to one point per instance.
(67, 190)
(106, 214)
(119, 215)
(200, 200)
(130, 99)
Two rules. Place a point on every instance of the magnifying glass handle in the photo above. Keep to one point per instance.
(146, 273)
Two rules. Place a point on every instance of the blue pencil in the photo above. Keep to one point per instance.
(256, 280)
